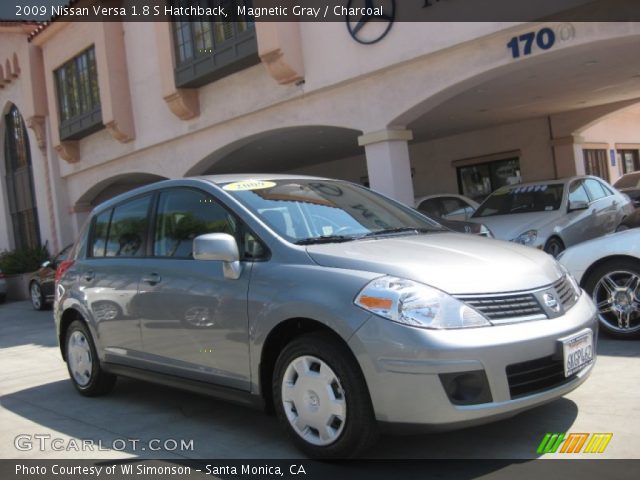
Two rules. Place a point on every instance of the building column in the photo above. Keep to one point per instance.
(567, 153)
(388, 163)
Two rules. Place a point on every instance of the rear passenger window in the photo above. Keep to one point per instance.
(183, 214)
(100, 231)
(128, 229)
(595, 189)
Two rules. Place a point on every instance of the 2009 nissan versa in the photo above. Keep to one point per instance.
(342, 310)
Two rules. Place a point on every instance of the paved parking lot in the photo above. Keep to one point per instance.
(36, 398)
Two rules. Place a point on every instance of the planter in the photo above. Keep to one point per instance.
(18, 286)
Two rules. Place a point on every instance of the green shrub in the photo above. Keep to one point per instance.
(23, 260)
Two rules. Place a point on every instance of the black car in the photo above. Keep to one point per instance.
(41, 283)
(629, 184)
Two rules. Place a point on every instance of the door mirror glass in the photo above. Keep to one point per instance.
(578, 205)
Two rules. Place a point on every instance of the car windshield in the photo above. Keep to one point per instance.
(522, 199)
(631, 180)
(308, 211)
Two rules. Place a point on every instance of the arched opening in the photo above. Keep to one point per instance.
(23, 210)
(304, 150)
(115, 185)
(521, 120)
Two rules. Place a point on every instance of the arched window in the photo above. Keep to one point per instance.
(19, 179)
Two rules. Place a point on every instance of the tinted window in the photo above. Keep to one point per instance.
(522, 199)
(631, 180)
(100, 230)
(183, 214)
(128, 229)
(595, 189)
(431, 207)
(454, 207)
(577, 193)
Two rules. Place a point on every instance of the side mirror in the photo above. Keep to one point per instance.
(221, 247)
(578, 205)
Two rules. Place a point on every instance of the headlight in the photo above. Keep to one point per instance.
(572, 280)
(411, 303)
(526, 238)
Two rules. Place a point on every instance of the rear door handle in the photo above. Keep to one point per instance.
(152, 278)
(88, 276)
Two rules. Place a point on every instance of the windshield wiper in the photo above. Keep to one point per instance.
(325, 239)
(391, 231)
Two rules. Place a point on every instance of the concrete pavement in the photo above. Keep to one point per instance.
(39, 406)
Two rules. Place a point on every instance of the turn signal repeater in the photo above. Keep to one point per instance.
(416, 304)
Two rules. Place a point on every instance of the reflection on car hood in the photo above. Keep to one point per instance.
(455, 263)
(508, 227)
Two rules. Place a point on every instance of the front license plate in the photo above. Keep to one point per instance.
(577, 352)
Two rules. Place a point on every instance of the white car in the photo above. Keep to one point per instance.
(447, 206)
(608, 268)
(3, 287)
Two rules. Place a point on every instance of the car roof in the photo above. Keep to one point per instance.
(555, 181)
(194, 181)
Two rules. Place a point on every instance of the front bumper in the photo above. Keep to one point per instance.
(403, 365)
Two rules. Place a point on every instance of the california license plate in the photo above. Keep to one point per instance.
(577, 352)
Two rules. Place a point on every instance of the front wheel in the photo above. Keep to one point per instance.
(615, 289)
(321, 398)
(83, 364)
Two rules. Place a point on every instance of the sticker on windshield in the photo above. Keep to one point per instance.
(248, 185)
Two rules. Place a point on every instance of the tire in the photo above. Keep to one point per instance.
(83, 364)
(38, 301)
(350, 427)
(615, 289)
(554, 246)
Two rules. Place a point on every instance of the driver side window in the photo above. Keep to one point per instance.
(183, 214)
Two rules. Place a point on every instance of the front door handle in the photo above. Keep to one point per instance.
(152, 278)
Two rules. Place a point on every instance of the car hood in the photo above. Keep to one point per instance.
(508, 227)
(452, 262)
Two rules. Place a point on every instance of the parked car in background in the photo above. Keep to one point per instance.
(3, 288)
(554, 214)
(608, 268)
(452, 211)
(629, 183)
(336, 306)
(447, 206)
(41, 283)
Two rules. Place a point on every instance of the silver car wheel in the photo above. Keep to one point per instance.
(617, 296)
(314, 400)
(79, 358)
(36, 296)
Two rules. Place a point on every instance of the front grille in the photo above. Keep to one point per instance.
(503, 307)
(535, 376)
(566, 293)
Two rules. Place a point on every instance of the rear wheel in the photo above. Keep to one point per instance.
(83, 364)
(321, 398)
(37, 299)
(554, 246)
(615, 289)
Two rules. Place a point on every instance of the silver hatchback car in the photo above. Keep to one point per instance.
(340, 309)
